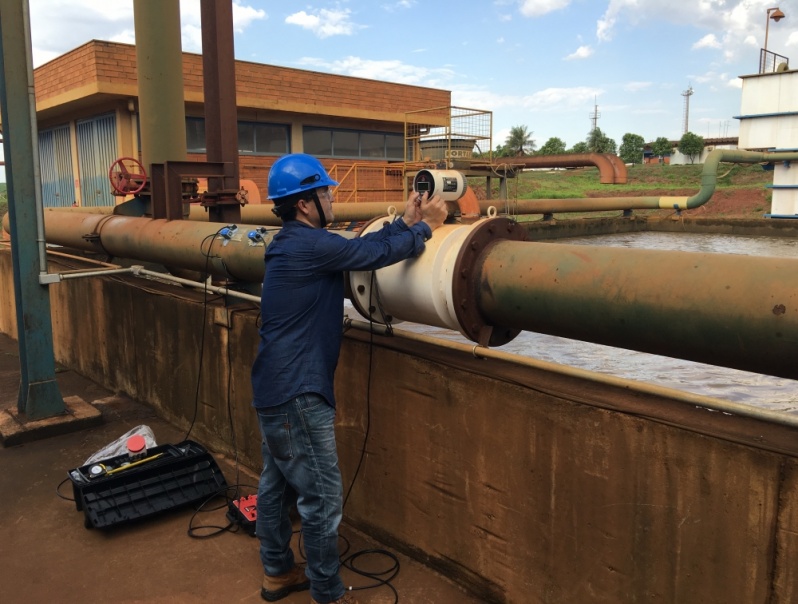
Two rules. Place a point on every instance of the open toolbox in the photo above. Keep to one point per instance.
(117, 490)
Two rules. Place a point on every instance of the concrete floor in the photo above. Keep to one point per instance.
(48, 556)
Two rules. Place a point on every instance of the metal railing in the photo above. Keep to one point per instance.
(770, 62)
(367, 182)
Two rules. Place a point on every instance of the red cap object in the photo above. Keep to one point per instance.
(136, 444)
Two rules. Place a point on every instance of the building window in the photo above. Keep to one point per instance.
(352, 144)
(254, 138)
(195, 135)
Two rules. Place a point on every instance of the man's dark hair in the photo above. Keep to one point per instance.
(285, 207)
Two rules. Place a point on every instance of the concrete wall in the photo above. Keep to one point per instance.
(519, 481)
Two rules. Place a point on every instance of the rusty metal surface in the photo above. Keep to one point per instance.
(522, 484)
(612, 170)
(221, 114)
(516, 484)
(184, 244)
(734, 311)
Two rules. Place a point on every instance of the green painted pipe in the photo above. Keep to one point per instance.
(159, 65)
(730, 310)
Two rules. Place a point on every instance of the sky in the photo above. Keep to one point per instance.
(548, 65)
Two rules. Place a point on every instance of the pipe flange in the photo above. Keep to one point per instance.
(465, 281)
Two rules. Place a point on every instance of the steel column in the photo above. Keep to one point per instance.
(221, 113)
(39, 395)
(159, 62)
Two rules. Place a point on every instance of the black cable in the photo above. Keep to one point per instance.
(229, 402)
(215, 530)
(378, 576)
(368, 395)
(349, 562)
(58, 490)
(206, 274)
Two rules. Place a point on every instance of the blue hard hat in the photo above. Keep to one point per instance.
(295, 173)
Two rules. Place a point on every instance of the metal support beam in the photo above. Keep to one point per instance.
(39, 395)
(221, 114)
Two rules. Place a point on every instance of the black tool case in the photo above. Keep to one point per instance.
(180, 475)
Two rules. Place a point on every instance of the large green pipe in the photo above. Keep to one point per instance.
(734, 311)
(709, 175)
(730, 310)
(159, 64)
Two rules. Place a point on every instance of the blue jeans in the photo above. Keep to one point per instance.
(300, 465)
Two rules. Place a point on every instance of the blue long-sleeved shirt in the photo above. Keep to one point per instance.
(302, 303)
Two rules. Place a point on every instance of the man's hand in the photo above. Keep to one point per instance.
(412, 213)
(433, 211)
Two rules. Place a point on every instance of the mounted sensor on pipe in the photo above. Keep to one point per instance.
(440, 286)
(449, 184)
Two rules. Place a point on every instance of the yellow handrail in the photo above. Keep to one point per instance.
(354, 186)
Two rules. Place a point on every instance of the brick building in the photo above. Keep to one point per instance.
(87, 112)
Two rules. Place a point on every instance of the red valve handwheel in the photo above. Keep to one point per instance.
(127, 176)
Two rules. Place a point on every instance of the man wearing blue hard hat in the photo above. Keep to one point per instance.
(292, 377)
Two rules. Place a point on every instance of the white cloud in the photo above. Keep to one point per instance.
(734, 83)
(500, 41)
(244, 16)
(729, 24)
(547, 100)
(401, 5)
(793, 39)
(76, 23)
(58, 26)
(708, 41)
(325, 23)
(387, 71)
(583, 52)
(636, 86)
(537, 8)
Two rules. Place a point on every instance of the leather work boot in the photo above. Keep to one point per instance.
(344, 599)
(276, 588)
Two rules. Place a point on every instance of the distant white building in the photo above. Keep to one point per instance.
(769, 121)
(710, 144)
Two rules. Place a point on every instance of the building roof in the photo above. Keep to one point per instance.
(101, 71)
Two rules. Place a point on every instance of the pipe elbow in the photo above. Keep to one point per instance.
(469, 206)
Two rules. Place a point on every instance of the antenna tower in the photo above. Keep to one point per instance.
(594, 116)
(687, 94)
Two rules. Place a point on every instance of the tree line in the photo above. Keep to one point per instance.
(520, 143)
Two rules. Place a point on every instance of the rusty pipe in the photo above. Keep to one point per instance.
(729, 310)
(612, 170)
(184, 244)
(733, 311)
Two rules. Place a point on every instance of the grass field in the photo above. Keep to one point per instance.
(740, 189)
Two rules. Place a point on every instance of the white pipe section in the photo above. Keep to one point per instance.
(418, 289)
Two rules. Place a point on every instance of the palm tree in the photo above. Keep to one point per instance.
(520, 141)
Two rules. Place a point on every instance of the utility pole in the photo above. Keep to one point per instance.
(687, 94)
(594, 116)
